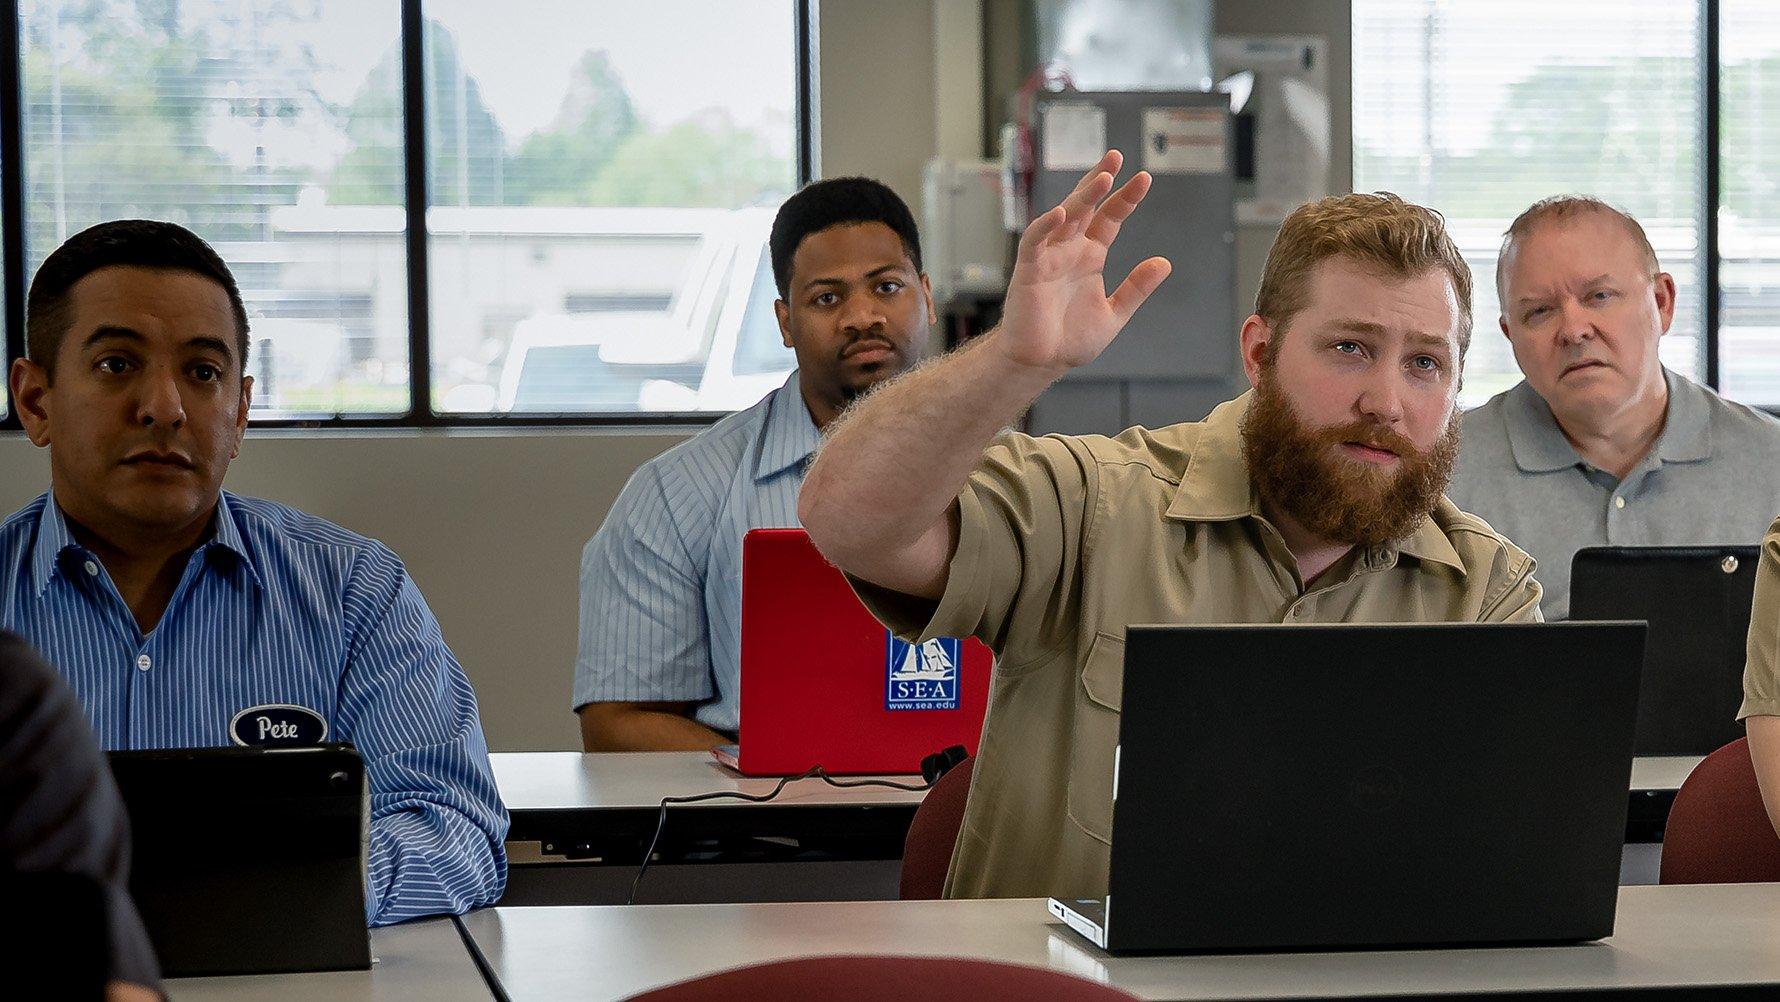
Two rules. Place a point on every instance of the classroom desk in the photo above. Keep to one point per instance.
(1662, 773)
(580, 822)
(422, 961)
(1695, 938)
(1654, 782)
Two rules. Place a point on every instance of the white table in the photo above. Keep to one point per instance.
(581, 821)
(1683, 936)
(574, 781)
(422, 961)
(1662, 773)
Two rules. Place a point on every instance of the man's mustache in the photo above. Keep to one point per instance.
(1371, 435)
(865, 342)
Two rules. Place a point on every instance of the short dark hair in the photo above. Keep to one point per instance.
(137, 243)
(838, 201)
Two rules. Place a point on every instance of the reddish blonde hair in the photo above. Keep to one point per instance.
(1378, 230)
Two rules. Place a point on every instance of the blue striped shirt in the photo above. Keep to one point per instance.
(661, 582)
(279, 607)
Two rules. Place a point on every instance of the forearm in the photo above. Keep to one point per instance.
(1764, 750)
(892, 466)
(431, 860)
(620, 727)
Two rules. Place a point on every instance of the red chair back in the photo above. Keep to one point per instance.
(927, 849)
(886, 979)
(1718, 831)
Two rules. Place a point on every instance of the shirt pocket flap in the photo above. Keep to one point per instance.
(1103, 677)
(1094, 736)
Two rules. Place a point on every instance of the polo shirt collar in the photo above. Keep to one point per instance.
(1539, 445)
(1687, 432)
(789, 436)
(1216, 488)
(55, 538)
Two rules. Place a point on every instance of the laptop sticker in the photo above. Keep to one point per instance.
(278, 725)
(921, 676)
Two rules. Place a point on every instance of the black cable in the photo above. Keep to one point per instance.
(756, 798)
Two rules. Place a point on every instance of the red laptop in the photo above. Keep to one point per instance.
(823, 683)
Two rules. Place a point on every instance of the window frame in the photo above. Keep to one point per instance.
(1711, 141)
(420, 412)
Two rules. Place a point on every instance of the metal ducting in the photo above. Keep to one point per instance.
(1127, 44)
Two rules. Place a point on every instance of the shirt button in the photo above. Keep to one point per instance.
(1619, 502)
(1297, 612)
(92, 569)
(144, 662)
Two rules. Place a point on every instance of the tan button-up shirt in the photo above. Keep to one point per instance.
(1761, 674)
(1064, 541)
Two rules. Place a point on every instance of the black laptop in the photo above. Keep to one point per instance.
(249, 860)
(1335, 787)
(1696, 600)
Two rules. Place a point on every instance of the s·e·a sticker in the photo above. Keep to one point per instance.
(278, 725)
(921, 676)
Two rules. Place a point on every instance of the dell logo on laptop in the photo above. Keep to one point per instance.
(278, 725)
(921, 676)
(1376, 788)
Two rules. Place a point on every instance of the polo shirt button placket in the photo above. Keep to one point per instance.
(1615, 515)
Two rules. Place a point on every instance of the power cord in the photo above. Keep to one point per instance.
(931, 774)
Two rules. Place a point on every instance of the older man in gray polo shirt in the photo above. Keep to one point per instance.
(1601, 444)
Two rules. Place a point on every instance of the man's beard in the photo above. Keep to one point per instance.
(1300, 470)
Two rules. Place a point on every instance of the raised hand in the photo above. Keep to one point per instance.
(1057, 314)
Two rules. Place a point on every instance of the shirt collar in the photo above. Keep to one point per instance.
(1539, 444)
(1687, 431)
(1216, 488)
(789, 435)
(228, 538)
(1429, 544)
(54, 538)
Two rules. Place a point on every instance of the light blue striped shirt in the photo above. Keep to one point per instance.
(661, 582)
(280, 607)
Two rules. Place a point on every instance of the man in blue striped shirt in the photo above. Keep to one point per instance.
(661, 596)
(186, 616)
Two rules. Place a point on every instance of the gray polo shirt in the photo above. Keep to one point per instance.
(1713, 477)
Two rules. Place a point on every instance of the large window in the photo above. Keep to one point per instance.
(1749, 205)
(574, 229)
(1480, 109)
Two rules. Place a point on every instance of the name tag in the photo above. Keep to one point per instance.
(278, 725)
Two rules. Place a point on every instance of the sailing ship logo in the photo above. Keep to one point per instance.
(921, 676)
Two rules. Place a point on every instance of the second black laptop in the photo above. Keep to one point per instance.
(1331, 787)
(1696, 600)
(248, 860)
